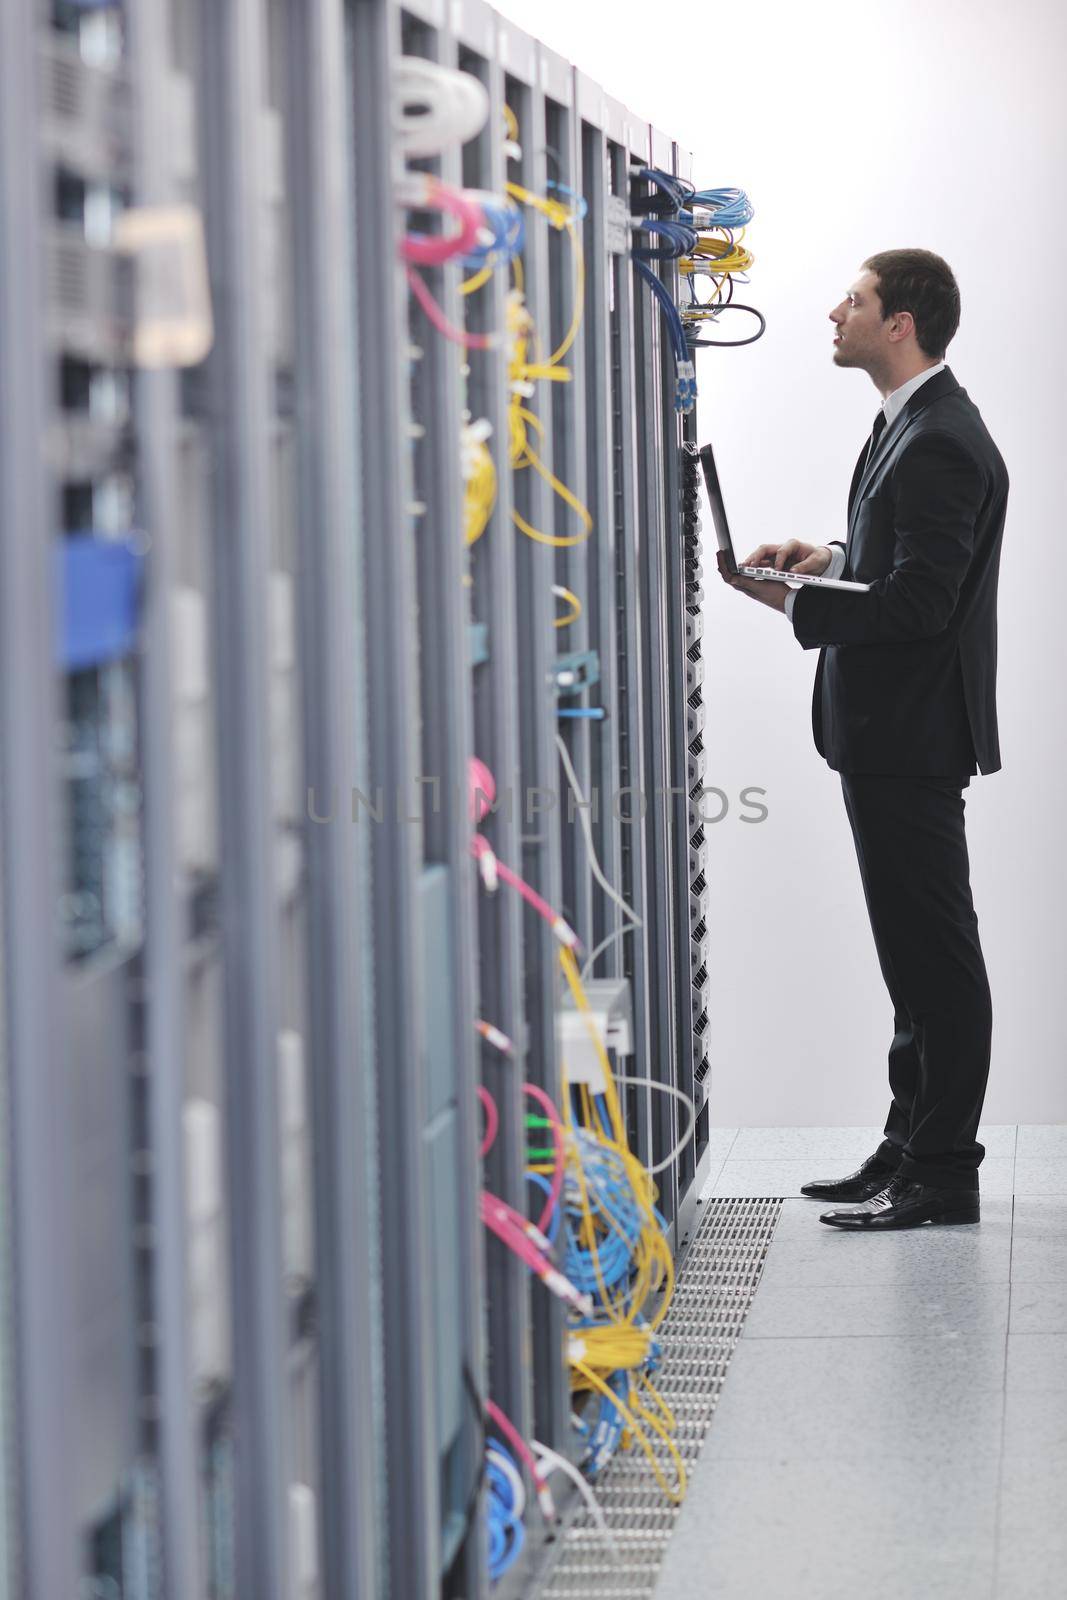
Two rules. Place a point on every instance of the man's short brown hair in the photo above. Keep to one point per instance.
(922, 283)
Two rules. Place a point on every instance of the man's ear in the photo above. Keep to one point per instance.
(904, 323)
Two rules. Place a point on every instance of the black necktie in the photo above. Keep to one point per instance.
(876, 434)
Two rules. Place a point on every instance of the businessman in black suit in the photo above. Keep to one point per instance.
(905, 710)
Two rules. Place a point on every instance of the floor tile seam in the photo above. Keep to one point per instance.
(987, 1338)
(775, 1388)
(998, 1516)
(933, 1464)
(808, 1338)
(887, 1285)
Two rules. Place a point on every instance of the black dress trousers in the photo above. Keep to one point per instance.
(912, 852)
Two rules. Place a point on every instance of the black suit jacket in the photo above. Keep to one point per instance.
(906, 681)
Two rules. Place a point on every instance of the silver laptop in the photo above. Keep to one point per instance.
(726, 544)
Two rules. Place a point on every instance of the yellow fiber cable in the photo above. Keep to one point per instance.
(674, 1493)
(521, 420)
(726, 256)
(575, 604)
(655, 1253)
(479, 495)
(476, 280)
(563, 218)
(623, 1341)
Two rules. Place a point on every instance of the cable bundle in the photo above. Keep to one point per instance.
(730, 208)
(503, 241)
(681, 240)
(420, 191)
(505, 1504)
(697, 229)
(617, 1213)
(674, 192)
(661, 220)
(617, 1246)
(721, 256)
(435, 108)
(685, 392)
(525, 372)
(525, 1239)
(479, 478)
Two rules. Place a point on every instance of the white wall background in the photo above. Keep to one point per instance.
(855, 126)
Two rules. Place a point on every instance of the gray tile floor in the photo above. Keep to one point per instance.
(894, 1420)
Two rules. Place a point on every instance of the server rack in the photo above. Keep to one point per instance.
(273, 1253)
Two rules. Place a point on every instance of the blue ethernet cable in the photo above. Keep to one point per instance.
(557, 1214)
(686, 388)
(731, 208)
(508, 225)
(680, 239)
(506, 1532)
(677, 191)
(581, 204)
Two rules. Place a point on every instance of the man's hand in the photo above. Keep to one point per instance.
(793, 556)
(764, 589)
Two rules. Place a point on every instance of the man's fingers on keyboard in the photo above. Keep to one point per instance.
(762, 556)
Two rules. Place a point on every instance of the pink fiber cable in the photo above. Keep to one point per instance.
(481, 793)
(507, 1225)
(492, 1120)
(495, 1036)
(549, 1109)
(432, 250)
(531, 1246)
(448, 330)
(481, 789)
(526, 1455)
(566, 935)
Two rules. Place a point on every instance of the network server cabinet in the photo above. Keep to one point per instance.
(613, 436)
(249, 1316)
(190, 1160)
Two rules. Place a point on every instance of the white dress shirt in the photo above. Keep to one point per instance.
(892, 406)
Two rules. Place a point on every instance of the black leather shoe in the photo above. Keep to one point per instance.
(904, 1204)
(872, 1176)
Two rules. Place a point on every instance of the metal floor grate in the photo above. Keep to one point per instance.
(715, 1287)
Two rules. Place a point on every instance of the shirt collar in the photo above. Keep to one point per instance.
(894, 403)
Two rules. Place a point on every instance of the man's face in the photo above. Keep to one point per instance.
(859, 332)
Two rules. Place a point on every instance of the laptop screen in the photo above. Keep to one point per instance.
(718, 509)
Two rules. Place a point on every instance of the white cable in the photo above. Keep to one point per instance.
(598, 950)
(558, 1463)
(667, 1088)
(435, 107)
(594, 864)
